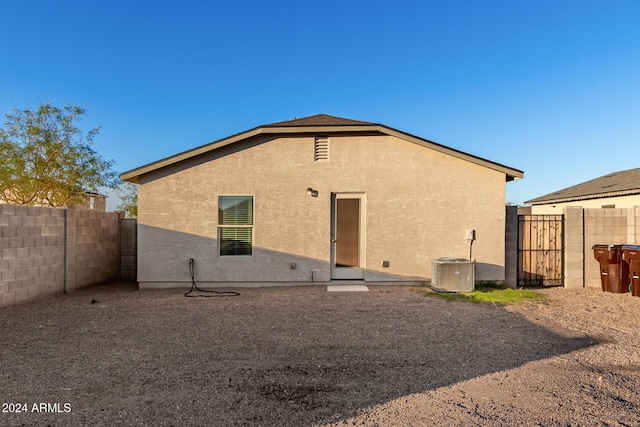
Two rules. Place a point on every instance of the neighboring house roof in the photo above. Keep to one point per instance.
(318, 124)
(86, 193)
(623, 183)
(90, 193)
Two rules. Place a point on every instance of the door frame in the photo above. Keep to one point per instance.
(348, 273)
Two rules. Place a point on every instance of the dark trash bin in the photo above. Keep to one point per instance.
(631, 254)
(614, 271)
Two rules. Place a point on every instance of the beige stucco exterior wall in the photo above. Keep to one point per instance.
(617, 202)
(419, 204)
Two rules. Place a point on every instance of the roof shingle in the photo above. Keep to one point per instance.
(319, 120)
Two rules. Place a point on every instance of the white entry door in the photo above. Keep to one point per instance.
(347, 240)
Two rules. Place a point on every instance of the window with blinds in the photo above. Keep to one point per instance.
(235, 225)
(321, 148)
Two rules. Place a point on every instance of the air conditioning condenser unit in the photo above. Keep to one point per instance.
(452, 275)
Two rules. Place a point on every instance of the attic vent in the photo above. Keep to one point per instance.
(321, 148)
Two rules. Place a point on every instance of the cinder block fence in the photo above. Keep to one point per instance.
(583, 228)
(46, 251)
(588, 227)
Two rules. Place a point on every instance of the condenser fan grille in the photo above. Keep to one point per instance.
(452, 275)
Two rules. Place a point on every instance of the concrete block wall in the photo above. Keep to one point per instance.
(587, 227)
(46, 251)
(602, 227)
(633, 225)
(93, 247)
(32, 245)
(128, 248)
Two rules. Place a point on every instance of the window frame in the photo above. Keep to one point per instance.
(251, 226)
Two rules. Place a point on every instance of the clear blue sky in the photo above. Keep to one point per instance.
(551, 87)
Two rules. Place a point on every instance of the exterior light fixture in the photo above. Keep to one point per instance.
(312, 192)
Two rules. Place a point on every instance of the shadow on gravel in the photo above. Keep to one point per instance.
(280, 356)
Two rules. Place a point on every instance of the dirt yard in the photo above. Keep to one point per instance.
(301, 356)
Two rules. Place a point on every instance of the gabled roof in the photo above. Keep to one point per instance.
(319, 119)
(318, 124)
(623, 183)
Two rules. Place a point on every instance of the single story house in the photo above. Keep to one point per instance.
(317, 199)
(614, 190)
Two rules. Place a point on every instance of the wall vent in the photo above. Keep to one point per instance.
(452, 275)
(321, 148)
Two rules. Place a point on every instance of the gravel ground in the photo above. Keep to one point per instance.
(302, 356)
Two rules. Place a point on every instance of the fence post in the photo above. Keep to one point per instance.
(128, 249)
(511, 247)
(121, 216)
(632, 224)
(65, 264)
(574, 250)
(636, 232)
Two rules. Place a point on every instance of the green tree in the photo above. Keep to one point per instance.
(128, 193)
(46, 160)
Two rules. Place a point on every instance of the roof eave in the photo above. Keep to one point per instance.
(133, 175)
(510, 173)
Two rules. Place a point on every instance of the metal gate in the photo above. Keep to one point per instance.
(540, 250)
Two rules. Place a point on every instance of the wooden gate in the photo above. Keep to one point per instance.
(540, 249)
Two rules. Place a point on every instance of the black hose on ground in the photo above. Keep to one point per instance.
(195, 287)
